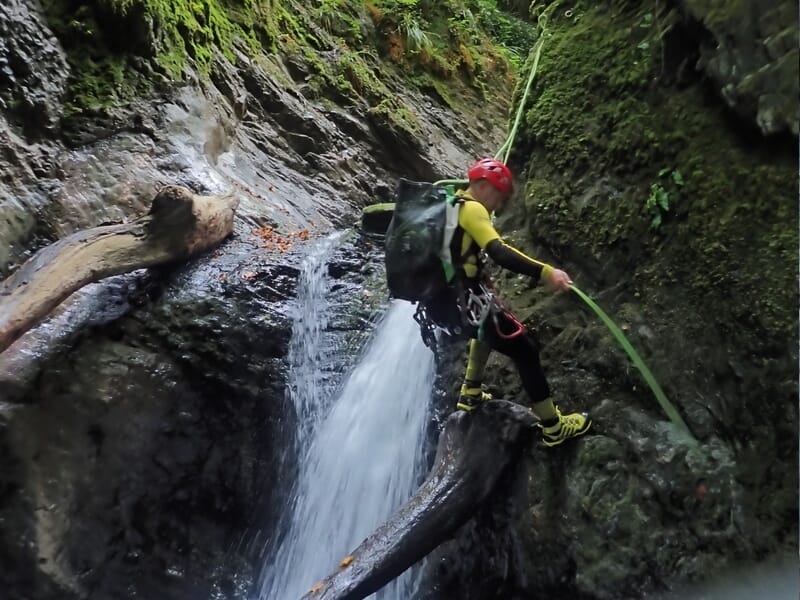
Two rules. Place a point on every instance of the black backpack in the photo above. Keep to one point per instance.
(419, 265)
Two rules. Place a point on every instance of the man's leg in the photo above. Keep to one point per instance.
(509, 337)
(471, 391)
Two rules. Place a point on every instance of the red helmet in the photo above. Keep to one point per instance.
(494, 172)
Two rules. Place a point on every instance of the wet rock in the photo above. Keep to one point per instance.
(301, 143)
(25, 191)
(148, 415)
(95, 305)
(33, 68)
(754, 59)
(151, 472)
(163, 427)
(348, 124)
(579, 522)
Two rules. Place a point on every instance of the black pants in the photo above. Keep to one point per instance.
(521, 347)
(501, 332)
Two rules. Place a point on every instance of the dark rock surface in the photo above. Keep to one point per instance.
(753, 57)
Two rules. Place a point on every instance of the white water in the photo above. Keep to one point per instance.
(311, 353)
(360, 451)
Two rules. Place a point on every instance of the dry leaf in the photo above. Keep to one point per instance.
(346, 561)
(316, 587)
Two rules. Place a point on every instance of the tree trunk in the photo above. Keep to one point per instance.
(179, 225)
(474, 450)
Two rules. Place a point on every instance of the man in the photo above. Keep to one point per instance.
(472, 306)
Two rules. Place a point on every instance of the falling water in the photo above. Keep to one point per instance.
(361, 453)
(311, 351)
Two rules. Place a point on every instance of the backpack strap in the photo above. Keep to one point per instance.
(452, 208)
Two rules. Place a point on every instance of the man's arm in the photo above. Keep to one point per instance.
(512, 259)
(474, 219)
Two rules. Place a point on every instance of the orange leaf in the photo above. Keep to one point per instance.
(316, 587)
(346, 561)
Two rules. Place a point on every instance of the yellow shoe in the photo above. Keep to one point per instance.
(471, 397)
(567, 426)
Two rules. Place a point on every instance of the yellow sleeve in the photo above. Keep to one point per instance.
(474, 219)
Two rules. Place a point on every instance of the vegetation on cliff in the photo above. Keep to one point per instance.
(121, 49)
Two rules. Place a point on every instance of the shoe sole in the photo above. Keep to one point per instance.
(574, 435)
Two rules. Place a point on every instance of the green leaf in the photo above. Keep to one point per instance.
(656, 222)
(663, 199)
(677, 178)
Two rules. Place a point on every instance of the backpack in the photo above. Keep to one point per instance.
(419, 265)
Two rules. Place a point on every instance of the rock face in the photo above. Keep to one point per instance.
(619, 119)
(140, 458)
(753, 58)
(141, 424)
(160, 462)
(33, 69)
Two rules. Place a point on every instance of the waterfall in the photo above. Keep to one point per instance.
(360, 448)
(311, 352)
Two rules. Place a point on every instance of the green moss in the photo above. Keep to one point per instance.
(397, 119)
(601, 110)
(114, 46)
(566, 115)
(118, 48)
(351, 68)
(452, 41)
(96, 85)
(341, 18)
(195, 28)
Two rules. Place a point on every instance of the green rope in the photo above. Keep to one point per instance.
(537, 53)
(509, 142)
(506, 147)
(666, 405)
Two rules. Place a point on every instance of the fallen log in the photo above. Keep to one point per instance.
(180, 224)
(474, 449)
